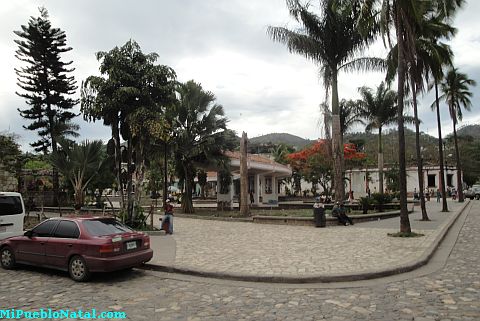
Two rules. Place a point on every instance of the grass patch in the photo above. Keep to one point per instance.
(405, 234)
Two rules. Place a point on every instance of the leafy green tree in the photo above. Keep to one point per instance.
(47, 84)
(201, 136)
(333, 40)
(10, 152)
(79, 164)
(131, 97)
(280, 152)
(456, 93)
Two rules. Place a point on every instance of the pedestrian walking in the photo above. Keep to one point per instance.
(438, 195)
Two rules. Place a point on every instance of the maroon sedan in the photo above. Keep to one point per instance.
(78, 245)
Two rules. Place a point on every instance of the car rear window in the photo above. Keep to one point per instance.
(10, 205)
(105, 227)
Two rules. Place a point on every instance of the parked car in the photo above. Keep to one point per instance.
(12, 213)
(78, 245)
(472, 192)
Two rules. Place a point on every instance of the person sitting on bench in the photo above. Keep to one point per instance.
(341, 215)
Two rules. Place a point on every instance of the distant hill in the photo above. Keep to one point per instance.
(469, 130)
(280, 138)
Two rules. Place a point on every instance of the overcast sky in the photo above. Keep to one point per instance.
(221, 44)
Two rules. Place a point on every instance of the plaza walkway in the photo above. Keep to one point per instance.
(261, 252)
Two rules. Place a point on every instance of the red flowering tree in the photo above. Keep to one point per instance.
(315, 164)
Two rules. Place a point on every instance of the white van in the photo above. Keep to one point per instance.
(12, 213)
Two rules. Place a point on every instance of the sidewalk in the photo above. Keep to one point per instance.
(279, 253)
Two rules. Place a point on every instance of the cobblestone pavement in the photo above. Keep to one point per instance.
(451, 293)
(295, 251)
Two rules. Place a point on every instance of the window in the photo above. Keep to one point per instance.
(105, 227)
(268, 185)
(450, 180)
(44, 229)
(10, 205)
(67, 229)
(431, 180)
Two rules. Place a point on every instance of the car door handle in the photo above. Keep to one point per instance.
(42, 243)
(69, 245)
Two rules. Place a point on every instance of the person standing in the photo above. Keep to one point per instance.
(167, 221)
(439, 195)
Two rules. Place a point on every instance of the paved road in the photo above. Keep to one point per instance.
(451, 293)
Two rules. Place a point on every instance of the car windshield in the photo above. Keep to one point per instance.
(103, 227)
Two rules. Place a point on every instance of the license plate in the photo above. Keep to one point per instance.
(131, 245)
(3, 229)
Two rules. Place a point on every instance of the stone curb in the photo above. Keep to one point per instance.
(410, 266)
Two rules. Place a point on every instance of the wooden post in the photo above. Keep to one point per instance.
(244, 204)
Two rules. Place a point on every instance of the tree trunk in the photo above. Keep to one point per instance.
(404, 220)
(418, 152)
(187, 205)
(440, 152)
(244, 204)
(337, 149)
(459, 165)
(130, 214)
(165, 173)
(118, 161)
(140, 172)
(380, 161)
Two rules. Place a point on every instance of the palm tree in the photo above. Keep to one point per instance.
(332, 40)
(456, 93)
(201, 136)
(380, 110)
(79, 163)
(405, 17)
(430, 56)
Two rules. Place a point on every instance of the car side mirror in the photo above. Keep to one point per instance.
(28, 233)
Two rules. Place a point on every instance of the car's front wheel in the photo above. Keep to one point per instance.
(7, 258)
(78, 269)
(477, 197)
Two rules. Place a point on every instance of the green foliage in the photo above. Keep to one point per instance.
(46, 81)
(392, 177)
(380, 199)
(201, 135)
(79, 163)
(10, 152)
(366, 203)
(133, 96)
(224, 181)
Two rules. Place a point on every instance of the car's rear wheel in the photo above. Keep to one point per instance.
(7, 258)
(78, 269)
(477, 197)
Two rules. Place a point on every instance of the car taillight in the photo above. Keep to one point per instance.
(106, 248)
(146, 241)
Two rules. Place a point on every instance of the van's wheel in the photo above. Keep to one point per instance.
(78, 269)
(7, 258)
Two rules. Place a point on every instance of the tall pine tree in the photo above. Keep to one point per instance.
(46, 83)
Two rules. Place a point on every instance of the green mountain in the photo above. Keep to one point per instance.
(264, 143)
(469, 130)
